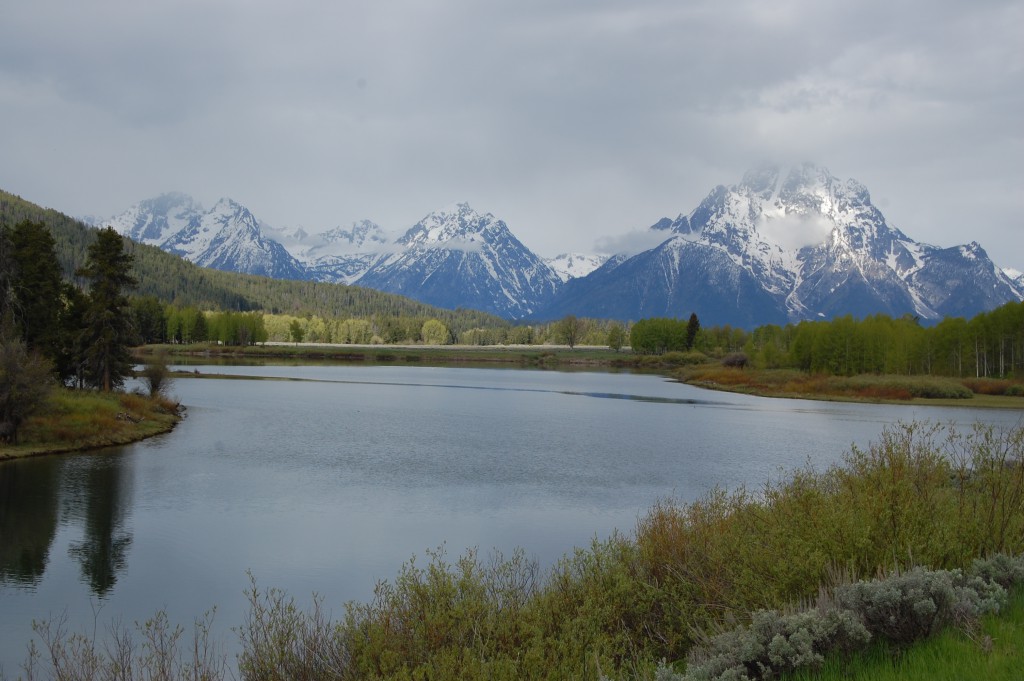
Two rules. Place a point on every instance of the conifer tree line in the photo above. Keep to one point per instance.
(84, 334)
(52, 331)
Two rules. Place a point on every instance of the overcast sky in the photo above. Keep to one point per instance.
(574, 121)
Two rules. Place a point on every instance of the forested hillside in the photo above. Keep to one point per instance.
(179, 282)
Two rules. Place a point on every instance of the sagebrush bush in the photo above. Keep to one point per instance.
(910, 606)
(773, 644)
(898, 609)
(1006, 571)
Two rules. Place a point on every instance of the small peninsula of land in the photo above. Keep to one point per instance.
(79, 420)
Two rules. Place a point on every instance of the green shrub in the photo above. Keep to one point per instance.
(737, 360)
(681, 359)
(928, 387)
(939, 388)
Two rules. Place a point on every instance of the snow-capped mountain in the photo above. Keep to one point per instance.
(227, 237)
(457, 257)
(575, 265)
(156, 220)
(1017, 277)
(338, 255)
(785, 245)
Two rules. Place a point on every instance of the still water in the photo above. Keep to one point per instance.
(329, 483)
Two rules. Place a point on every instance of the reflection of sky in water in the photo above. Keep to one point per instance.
(328, 483)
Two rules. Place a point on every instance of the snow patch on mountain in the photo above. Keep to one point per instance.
(575, 265)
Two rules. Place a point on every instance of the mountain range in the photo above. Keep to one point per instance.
(782, 245)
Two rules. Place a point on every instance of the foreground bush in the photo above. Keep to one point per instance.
(921, 495)
(898, 610)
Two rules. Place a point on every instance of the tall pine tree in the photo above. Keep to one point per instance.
(692, 329)
(108, 332)
(38, 293)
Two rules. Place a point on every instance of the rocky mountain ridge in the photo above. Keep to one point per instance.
(785, 245)
(782, 245)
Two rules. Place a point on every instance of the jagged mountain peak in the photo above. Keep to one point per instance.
(227, 207)
(457, 256)
(455, 226)
(227, 237)
(153, 221)
(788, 243)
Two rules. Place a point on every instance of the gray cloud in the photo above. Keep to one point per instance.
(576, 122)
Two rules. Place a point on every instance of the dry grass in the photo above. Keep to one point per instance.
(75, 420)
(866, 387)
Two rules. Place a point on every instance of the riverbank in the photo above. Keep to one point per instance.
(875, 389)
(519, 355)
(76, 420)
(691, 368)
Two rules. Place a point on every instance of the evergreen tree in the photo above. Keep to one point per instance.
(8, 275)
(692, 328)
(71, 361)
(108, 326)
(148, 319)
(39, 287)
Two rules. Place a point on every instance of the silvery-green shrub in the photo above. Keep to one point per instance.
(910, 606)
(774, 643)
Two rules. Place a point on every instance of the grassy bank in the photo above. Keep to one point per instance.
(791, 383)
(74, 420)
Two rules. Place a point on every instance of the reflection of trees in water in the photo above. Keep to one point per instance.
(28, 518)
(100, 495)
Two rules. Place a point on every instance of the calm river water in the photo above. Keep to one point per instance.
(328, 484)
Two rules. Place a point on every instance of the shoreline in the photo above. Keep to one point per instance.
(976, 402)
(544, 356)
(561, 356)
(138, 418)
(47, 449)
